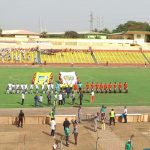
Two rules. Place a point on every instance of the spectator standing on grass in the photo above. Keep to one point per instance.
(112, 117)
(60, 99)
(66, 125)
(49, 98)
(73, 97)
(36, 98)
(41, 100)
(81, 97)
(53, 127)
(21, 118)
(23, 98)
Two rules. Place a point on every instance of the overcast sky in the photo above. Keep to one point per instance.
(62, 15)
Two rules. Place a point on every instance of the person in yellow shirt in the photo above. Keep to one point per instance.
(112, 117)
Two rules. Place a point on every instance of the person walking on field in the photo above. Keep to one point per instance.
(112, 117)
(21, 118)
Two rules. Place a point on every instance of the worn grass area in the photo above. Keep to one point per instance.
(138, 81)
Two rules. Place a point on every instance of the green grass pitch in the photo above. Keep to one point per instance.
(138, 84)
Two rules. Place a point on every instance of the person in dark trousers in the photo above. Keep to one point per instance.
(66, 125)
(81, 97)
(112, 116)
(125, 114)
(23, 97)
(21, 117)
(49, 98)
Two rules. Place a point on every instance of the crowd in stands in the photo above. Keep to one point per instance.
(16, 54)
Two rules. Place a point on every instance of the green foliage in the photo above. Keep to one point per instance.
(44, 35)
(132, 26)
(105, 30)
(71, 34)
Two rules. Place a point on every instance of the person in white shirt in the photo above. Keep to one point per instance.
(31, 88)
(125, 114)
(41, 100)
(52, 87)
(60, 99)
(37, 88)
(23, 97)
(53, 127)
(92, 96)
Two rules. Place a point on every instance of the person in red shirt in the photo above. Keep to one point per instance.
(105, 88)
(126, 87)
(120, 87)
(92, 86)
(110, 87)
(87, 90)
(97, 87)
(101, 87)
(75, 88)
(115, 86)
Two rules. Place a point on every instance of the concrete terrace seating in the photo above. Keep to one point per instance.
(67, 57)
(123, 57)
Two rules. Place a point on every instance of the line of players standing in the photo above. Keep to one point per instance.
(107, 87)
(13, 88)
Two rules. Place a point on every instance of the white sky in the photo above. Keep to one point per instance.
(62, 15)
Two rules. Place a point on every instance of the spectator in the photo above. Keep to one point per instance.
(96, 119)
(103, 119)
(60, 99)
(36, 98)
(80, 97)
(53, 127)
(73, 97)
(103, 110)
(49, 98)
(112, 117)
(75, 131)
(79, 114)
(66, 125)
(41, 100)
(125, 114)
(21, 117)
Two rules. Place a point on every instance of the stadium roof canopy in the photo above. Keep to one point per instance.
(18, 32)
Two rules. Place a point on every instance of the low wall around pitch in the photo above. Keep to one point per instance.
(40, 119)
(134, 118)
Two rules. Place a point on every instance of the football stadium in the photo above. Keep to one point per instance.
(66, 87)
(57, 79)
